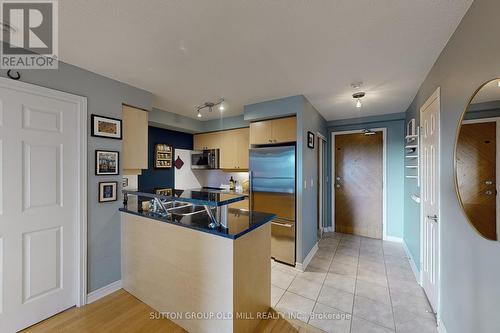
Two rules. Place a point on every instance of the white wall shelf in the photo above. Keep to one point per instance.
(412, 152)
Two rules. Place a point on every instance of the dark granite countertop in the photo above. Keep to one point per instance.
(239, 223)
(201, 196)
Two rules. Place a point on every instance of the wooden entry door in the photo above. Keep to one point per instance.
(358, 184)
(476, 155)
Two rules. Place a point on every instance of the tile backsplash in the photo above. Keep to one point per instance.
(218, 178)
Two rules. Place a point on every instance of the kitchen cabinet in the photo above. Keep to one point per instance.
(233, 145)
(135, 140)
(234, 149)
(273, 131)
(210, 140)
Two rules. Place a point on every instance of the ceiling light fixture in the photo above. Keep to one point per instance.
(210, 107)
(499, 83)
(358, 96)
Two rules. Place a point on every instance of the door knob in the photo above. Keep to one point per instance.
(488, 192)
(433, 217)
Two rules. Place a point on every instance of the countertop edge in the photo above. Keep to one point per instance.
(208, 231)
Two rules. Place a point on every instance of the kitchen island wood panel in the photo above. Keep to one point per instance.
(183, 271)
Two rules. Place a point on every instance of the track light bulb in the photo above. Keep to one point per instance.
(199, 114)
(221, 107)
(358, 103)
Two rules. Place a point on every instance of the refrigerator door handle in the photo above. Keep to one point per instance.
(286, 225)
(250, 190)
(283, 222)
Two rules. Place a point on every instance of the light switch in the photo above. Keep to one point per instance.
(312, 182)
(305, 184)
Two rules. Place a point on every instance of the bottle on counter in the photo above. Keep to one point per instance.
(231, 184)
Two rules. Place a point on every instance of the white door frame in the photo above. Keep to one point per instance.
(384, 178)
(497, 170)
(429, 101)
(81, 213)
(322, 154)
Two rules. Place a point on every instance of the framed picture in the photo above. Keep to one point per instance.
(107, 163)
(107, 191)
(310, 140)
(106, 127)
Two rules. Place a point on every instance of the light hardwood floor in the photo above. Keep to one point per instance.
(122, 312)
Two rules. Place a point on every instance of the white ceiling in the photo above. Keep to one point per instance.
(188, 52)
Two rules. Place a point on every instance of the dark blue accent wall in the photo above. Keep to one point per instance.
(164, 178)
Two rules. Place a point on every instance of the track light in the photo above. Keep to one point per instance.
(210, 107)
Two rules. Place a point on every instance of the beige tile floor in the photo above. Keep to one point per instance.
(354, 284)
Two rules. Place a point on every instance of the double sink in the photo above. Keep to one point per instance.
(181, 208)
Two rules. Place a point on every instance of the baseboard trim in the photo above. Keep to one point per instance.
(414, 268)
(328, 229)
(302, 266)
(394, 239)
(104, 291)
(441, 327)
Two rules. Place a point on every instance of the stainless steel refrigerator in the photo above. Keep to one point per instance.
(272, 190)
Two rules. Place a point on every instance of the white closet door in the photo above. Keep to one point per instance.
(38, 207)
(429, 118)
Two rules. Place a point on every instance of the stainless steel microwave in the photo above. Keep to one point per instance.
(205, 159)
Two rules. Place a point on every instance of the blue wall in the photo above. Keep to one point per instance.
(164, 178)
(308, 119)
(395, 126)
(104, 97)
(469, 264)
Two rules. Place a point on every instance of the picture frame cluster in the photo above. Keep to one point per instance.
(107, 162)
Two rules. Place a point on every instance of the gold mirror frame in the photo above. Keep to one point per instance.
(459, 197)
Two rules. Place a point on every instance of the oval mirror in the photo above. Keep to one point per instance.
(477, 160)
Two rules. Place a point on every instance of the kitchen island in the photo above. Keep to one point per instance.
(201, 264)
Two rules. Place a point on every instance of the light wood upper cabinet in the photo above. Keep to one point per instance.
(261, 132)
(228, 150)
(135, 140)
(284, 129)
(210, 140)
(273, 131)
(243, 143)
(233, 145)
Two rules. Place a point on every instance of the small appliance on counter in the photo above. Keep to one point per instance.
(205, 159)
